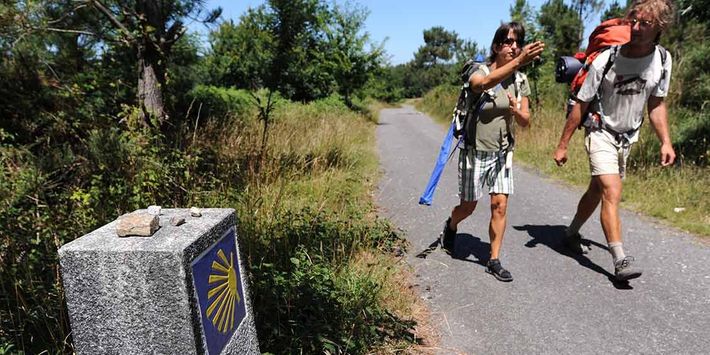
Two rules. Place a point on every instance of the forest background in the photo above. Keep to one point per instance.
(110, 106)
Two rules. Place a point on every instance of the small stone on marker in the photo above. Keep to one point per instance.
(176, 221)
(154, 210)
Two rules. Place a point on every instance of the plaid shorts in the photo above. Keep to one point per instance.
(477, 168)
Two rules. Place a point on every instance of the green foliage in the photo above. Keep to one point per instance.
(215, 102)
(433, 63)
(585, 8)
(307, 299)
(561, 27)
(440, 101)
(242, 55)
(687, 41)
(387, 86)
(690, 136)
(78, 33)
(439, 47)
(352, 66)
(305, 50)
(108, 173)
(698, 10)
(521, 12)
(468, 50)
(613, 11)
(75, 152)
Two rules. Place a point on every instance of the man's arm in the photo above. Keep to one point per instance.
(573, 120)
(658, 115)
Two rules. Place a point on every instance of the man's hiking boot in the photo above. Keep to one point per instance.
(574, 243)
(623, 270)
(447, 237)
(496, 269)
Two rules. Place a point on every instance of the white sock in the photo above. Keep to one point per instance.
(617, 251)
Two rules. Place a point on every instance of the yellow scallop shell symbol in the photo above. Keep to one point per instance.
(223, 286)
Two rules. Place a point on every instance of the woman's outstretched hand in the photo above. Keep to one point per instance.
(531, 52)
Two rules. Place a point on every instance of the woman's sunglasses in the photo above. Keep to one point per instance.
(510, 41)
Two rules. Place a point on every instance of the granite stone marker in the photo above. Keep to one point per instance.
(180, 291)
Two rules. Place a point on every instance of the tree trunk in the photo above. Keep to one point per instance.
(151, 63)
(151, 80)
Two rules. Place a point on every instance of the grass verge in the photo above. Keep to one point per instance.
(323, 269)
(324, 266)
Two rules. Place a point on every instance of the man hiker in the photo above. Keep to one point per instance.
(637, 76)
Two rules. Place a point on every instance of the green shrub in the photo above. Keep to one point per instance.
(50, 200)
(320, 157)
(217, 102)
(440, 101)
(308, 299)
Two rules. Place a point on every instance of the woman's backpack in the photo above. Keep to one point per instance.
(467, 104)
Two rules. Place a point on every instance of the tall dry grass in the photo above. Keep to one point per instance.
(321, 261)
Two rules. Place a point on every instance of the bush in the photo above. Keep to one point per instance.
(309, 300)
(218, 102)
(51, 199)
(440, 101)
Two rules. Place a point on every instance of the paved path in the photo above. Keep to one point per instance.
(558, 303)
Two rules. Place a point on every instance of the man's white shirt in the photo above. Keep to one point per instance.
(626, 88)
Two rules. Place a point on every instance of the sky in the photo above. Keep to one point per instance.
(400, 24)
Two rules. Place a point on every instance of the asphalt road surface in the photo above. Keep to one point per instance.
(558, 303)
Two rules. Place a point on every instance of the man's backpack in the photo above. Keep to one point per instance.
(609, 35)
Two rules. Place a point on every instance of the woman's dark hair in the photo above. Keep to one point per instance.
(502, 34)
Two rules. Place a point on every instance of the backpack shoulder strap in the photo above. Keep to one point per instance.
(664, 55)
(614, 52)
(490, 92)
(519, 79)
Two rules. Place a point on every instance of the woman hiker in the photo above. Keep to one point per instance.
(488, 161)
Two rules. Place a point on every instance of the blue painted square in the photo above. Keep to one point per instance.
(218, 284)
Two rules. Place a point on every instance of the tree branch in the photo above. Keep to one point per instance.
(67, 14)
(63, 30)
(99, 6)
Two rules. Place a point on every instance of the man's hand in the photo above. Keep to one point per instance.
(667, 155)
(560, 156)
(658, 115)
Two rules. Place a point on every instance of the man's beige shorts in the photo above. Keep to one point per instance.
(606, 155)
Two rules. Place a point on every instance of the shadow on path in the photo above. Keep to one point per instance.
(551, 236)
(465, 245)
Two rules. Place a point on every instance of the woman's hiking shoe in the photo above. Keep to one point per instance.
(494, 268)
(623, 270)
(447, 237)
(574, 243)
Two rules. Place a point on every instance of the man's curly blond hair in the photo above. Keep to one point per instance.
(660, 11)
